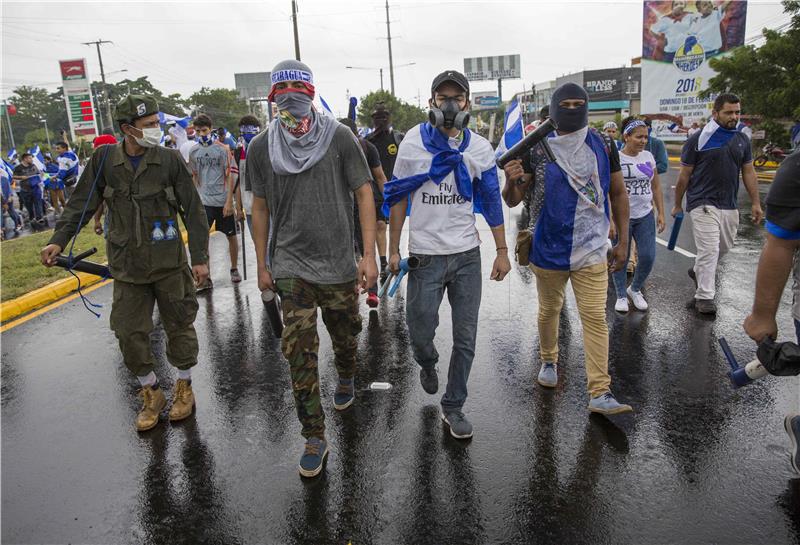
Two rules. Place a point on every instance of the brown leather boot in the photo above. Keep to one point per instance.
(182, 400)
(154, 402)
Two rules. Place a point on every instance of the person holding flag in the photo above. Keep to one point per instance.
(67, 168)
(29, 178)
(446, 173)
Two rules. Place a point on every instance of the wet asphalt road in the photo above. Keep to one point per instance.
(696, 463)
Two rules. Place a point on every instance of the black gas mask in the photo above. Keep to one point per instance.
(449, 116)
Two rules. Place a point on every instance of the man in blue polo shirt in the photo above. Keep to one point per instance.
(571, 238)
(67, 175)
(710, 165)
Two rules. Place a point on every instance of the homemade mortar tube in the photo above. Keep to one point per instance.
(406, 265)
(272, 304)
(83, 266)
(523, 147)
(676, 228)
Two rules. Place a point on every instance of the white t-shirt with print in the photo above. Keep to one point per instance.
(441, 222)
(638, 173)
(707, 30)
(675, 31)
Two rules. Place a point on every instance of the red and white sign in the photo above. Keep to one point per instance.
(78, 96)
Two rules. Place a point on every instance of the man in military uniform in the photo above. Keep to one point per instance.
(145, 187)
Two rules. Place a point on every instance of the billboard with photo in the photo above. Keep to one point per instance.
(679, 38)
(487, 68)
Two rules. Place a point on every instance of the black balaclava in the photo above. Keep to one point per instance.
(570, 120)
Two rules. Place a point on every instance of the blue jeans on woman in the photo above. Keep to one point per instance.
(460, 275)
(643, 231)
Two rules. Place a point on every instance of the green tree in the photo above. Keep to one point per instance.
(767, 79)
(172, 104)
(34, 104)
(223, 106)
(38, 136)
(404, 115)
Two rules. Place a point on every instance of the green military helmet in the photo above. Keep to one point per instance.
(133, 107)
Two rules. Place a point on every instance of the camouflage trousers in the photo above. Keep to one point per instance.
(300, 341)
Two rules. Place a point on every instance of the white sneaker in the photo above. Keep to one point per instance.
(638, 299)
(621, 304)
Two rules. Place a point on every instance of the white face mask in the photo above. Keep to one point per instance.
(151, 137)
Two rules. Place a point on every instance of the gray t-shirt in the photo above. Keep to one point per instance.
(311, 212)
(211, 166)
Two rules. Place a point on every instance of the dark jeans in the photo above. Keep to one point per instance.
(460, 275)
(32, 201)
(13, 213)
(643, 231)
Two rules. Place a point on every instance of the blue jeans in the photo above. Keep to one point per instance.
(643, 231)
(460, 275)
(32, 201)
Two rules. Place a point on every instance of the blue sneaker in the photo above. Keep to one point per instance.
(607, 404)
(313, 457)
(792, 425)
(460, 427)
(548, 375)
(345, 394)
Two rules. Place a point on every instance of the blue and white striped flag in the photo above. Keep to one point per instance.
(512, 126)
(5, 168)
(38, 157)
(12, 154)
(181, 121)
(326, 110)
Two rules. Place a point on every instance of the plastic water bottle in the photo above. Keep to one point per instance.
(157, 235)
(172, 232)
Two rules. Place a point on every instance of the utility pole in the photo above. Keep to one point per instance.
(107, 121)
(389, 39)
(296, 37)
(47, 132)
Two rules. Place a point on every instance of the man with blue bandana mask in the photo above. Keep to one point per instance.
(305, 171)
(571, 238)
(711, 162)
(249, 127)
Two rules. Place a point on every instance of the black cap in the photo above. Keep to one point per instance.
(450, 75)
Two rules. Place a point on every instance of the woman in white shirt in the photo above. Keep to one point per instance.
(644, 189)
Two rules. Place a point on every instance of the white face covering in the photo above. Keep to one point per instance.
(151, 137)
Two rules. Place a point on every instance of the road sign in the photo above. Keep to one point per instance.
(78, 97)
(490, 68)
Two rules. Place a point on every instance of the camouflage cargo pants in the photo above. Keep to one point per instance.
(300, 341)
(132, 320)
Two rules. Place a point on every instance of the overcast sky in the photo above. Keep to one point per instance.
(182, 46)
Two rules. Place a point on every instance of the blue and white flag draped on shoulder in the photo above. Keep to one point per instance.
(425, 155)
(512, 128)
(713, 136)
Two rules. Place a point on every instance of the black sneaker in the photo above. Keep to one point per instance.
(705, 306)
(429, 379)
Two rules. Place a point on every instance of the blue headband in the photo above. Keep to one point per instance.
(632, 125)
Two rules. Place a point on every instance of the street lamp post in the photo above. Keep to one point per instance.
(47, 133)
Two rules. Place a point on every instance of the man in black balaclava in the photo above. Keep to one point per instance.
(387, 141)
(571, 238)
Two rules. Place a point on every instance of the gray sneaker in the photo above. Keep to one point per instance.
(792, 425)
(429, 379)
(460, 428)
(705, 306)
(607, 404)
(548, 375)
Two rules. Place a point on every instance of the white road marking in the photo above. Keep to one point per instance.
(677, 249)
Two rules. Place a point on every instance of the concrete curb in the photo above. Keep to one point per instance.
(50, 293)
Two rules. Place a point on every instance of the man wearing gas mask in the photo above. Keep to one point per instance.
(304, 171)
(145, 187)
(446, 173)
(571, 239)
